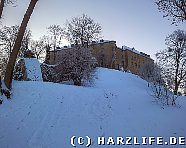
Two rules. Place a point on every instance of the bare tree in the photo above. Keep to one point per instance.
(3, 3)
(77, 64)
(160, 91)
(175, 9)
(3, 62)
(38, 47)
(7, 39)
(152, 73)
(48, 43)
(25, 42)
(173, 60)
(147, 71)
(184, 90)
(82, 30)
(49, 73)
(56, 33)
(8, 36)
(157, 85)
(17, 45)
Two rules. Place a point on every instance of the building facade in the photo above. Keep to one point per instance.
(104, 52)
(127, 59)
(135, 60)
(108, 55)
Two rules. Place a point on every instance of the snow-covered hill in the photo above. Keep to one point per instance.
(33, 69)
(47, 115)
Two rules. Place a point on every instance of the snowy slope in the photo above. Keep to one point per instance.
(47, 115)
(33, 69)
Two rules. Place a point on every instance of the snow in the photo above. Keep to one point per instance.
(101, 41)
(47, 115)
(134, 50)
(131, 49)
(33, 69)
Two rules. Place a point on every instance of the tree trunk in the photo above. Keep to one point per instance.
(77, 82)
(17, 45)
(54, 54)
(176, 89)
(0, 82)
(176, 73)
(1, 7)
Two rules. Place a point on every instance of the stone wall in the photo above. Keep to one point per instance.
(110, 56)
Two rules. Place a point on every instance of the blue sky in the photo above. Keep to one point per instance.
(134, 23)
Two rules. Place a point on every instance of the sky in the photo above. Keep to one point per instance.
(134, 23)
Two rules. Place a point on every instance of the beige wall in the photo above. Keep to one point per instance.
(136, 61)
(110, 56)
(118, 58)
(50, 56)
(104, 53)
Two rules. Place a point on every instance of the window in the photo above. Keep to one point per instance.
(136, 64)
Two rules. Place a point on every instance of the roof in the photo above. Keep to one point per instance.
(102, 41)
(135, 51)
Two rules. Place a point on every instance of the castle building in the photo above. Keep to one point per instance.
(135, 60)
(104, 52)
(108, 55)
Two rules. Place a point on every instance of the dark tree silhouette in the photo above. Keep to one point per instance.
(56, 33)
(8, 36)
(175, 9)
(17, 45)
(2, 4)
(173, 60)
(38, 47)
(82, 30)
